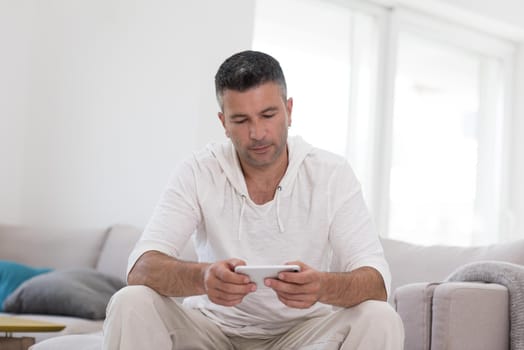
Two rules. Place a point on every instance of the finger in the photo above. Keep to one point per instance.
(225, 297)
(284, 286)
(293, 277)
(234, 262)
(236, 289)
(226, 291)
(304, 277)
(225, 300)
(229, 294)
(227, 274)
(303, 267)
(233, 283)
(233, 277)
(295, 291)
(298, 303)
(215, 286)
(297, 297)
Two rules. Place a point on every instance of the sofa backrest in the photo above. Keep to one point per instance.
(410, 263)
(118, 245)
(108, 250)
(55, 248)
(120, 241)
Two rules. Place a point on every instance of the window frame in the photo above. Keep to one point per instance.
(392, 17)
(451, 33)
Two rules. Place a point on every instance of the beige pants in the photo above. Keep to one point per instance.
(140, 318)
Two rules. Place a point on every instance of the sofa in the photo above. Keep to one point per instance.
(96, 251)
(440, 314)
(437, 314)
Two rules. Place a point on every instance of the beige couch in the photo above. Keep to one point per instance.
(105, 250)
(441, 315)
(436, 315)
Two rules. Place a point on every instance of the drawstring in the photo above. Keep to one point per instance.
(280, 225)
(243, 206)
(239, 233)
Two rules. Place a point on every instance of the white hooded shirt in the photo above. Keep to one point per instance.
(317, 216)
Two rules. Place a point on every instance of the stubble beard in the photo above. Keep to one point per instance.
(279, 148)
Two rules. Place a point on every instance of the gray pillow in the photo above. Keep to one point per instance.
(78, 292)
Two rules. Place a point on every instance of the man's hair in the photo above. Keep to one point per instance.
(246, 70)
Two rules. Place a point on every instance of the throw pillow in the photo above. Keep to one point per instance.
(13, 274)
(77, 292)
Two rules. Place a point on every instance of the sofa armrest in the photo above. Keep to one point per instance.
(454, 315)
(413, 304)
(470, 315)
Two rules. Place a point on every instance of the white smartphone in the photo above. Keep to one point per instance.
(258, 273)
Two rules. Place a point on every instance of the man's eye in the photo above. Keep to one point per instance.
(239, 121)
(268, 115)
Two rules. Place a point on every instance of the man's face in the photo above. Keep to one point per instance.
(256, 121)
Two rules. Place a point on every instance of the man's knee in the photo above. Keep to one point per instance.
(381, 315)
(374, 325)
(131, 297)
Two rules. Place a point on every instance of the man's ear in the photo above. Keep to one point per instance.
(289, 109)
(222, 118)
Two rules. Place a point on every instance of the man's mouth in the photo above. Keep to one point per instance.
(260, 148)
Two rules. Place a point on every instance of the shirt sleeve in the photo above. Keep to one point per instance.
(353, 234)
(174, 219)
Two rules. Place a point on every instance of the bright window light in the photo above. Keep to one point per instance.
(328, 54)
(435, 145)
(419, 106)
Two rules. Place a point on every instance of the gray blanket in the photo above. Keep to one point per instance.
(506, 274)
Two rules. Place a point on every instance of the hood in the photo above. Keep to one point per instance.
(227, 158)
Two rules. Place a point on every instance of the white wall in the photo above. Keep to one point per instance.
(14, 63)
(103, 98)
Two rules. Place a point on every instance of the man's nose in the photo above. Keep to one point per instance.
(256, 130)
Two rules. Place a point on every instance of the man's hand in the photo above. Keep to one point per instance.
(225, 287)
(345, 289)
(297, 289)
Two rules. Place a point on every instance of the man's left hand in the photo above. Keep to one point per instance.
(297, 289)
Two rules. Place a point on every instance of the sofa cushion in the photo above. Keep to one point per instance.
(74, 325)
(12, 275)
(412, 263)
(55, 248)
(413, 304)
(470, 315)
(68, 342)
(79, 292)
(120, 241)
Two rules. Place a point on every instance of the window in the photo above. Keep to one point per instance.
(417, 105)
(329, 55)
(445, 172)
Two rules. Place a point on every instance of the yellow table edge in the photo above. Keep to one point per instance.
(18, 324)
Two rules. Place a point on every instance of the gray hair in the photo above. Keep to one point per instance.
(248, 69)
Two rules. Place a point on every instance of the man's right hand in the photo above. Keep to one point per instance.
(224, 286)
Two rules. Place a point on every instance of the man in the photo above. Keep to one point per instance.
(259, 199)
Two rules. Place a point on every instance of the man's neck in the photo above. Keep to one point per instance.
(262, 182)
